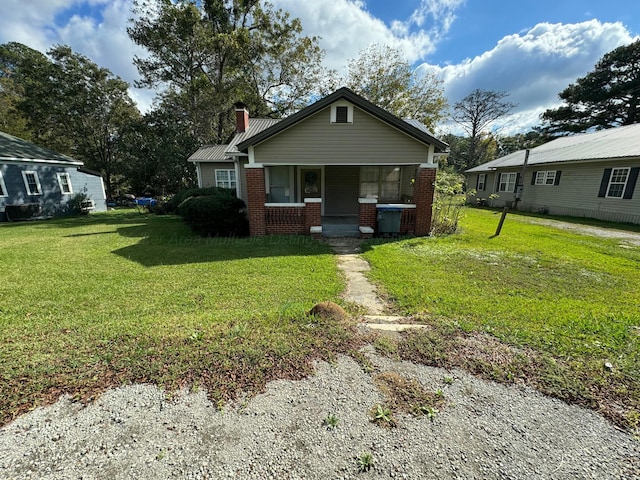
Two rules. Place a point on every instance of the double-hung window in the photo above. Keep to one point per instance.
(382, 183)
(64, 180)
(546, 177)
(507, 182)
(32, 183)
(617, 182)
(482, 181)
(226, 178)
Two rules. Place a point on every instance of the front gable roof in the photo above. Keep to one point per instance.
(412, 128)
(15, 149)
(609, 144)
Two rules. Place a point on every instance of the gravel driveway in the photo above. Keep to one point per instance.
(628, 237)
(485, 431)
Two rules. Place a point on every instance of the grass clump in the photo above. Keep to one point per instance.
(408, 395)
(365, 461)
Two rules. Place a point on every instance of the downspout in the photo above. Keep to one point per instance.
(236, 165)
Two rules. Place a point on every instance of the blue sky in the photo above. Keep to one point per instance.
(530, 49)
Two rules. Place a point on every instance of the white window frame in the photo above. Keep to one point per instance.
(546, 177)
(482, 181)
(380, 182)
(349, 113)
(509, 184)
(627, 171)
(229, 182)
(3, 187)
(68, 177)
(26, 182)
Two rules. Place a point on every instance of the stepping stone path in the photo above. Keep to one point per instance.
(362, 292)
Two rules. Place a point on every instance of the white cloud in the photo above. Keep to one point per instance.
(533, 67)
(346, 27)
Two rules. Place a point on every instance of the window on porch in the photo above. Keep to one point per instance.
(382, 183)
(279, 184)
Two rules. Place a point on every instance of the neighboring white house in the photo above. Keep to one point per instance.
(588, 175)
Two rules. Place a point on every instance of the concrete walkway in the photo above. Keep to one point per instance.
(362, 292)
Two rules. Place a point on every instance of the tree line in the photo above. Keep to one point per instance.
(203, 56)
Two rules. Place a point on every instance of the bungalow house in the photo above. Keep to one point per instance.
(35, 181)
(588, 175)
(332, 166)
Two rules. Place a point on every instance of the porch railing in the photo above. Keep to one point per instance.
(408, 221)
(284, 218)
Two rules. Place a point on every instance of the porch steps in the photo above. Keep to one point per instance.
(340, 231)
(387, 324)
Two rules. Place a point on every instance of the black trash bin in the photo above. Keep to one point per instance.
(389, 220)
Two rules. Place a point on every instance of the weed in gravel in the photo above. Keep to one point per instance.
(365, 461)
(408, 395)
(430, 412)
(382, 416)
(448, 380)
(331, 421)
(362, 360)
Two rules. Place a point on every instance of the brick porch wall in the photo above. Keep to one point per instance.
(423, 198)
(312, 214)
(256, 196)
(367, 215)
(285, 220)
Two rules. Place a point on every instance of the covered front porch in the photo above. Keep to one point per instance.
(337, 200)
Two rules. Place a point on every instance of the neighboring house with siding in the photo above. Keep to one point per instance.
(336, 162)
(591, 175)
(42, 181)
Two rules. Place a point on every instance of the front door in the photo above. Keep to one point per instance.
(311, 183)
(341, 189)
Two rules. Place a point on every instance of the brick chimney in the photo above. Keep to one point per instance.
(242, 117)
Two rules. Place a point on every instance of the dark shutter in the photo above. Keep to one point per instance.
(631, 183)
(533, 178)
(517, 182)
(477, 182)
(341, 114)
(557, 180)
(605, 182)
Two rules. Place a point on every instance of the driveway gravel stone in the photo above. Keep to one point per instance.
(485, 431)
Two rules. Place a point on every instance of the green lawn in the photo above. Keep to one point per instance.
(87, 303)
(569, 303)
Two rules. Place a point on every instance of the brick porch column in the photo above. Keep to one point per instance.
(367, 212)
(256, 196)
(423, 197)
(312, 213)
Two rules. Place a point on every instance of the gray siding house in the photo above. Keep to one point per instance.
(42, 182)
(591, 175)
(335, 162)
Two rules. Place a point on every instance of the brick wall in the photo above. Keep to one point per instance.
(312, 215)
(256, 196)
(367, 215)
(423, 198)
(285, 220)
